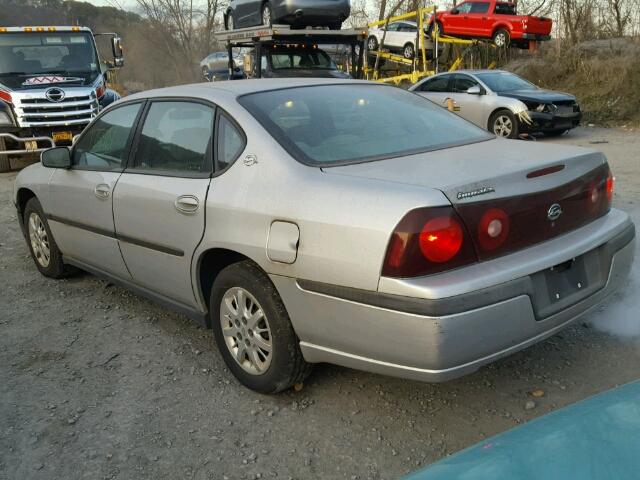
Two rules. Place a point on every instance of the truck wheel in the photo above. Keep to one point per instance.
(253, 331)
(335, 26)
(267, 16)
(372, 44)
(5, 163)
(501, 38)
(43, 248)
(408, 51)
(503, 123)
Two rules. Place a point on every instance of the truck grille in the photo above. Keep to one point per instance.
(33, 109)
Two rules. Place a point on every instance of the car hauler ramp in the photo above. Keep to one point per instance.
(261, 36)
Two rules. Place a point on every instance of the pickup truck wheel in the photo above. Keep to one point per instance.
(440, 28)
(253, 331)
(501, 38)
(408, 51)
(43, 248)
(503, 123)
(372, 44)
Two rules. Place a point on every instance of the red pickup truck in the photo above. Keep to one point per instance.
(493, 19)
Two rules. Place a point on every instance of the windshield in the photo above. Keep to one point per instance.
(505, 82)
(48, 52)
(329, 125)
(302, 59)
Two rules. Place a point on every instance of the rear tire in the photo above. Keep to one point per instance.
(501, 38)
(408, 51)
(256, 341)
(372, 44)
(44, 251)
(335, 26)
(503, 123)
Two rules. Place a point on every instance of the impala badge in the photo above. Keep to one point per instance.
(475, 193)
(554, 212)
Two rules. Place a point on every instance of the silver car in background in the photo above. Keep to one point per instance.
(502, 102)
(313, 220)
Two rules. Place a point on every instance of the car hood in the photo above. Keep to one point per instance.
(498, 166)
(46, 80)
(592, 440)
(542, 96)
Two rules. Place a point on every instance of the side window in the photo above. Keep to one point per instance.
(104, 145)
(230, 142)
(464, 8)
(505, 9)
(392, 27)
(438, 84)
(176, 137)
(462, 83)
(479, 7)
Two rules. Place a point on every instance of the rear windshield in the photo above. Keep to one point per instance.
(303, 59)
(505, 8)
(329, 125)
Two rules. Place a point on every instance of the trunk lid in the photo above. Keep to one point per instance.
(523, 180)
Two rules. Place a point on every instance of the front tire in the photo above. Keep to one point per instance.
(253, 331)
(501, 38)
(372, 44)
(43, 248)
(408, 51)
(503, 123)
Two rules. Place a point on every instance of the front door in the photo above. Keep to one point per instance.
(80, 210)
(472, 107)
(159, 201)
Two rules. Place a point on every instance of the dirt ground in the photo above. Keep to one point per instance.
(98, 383)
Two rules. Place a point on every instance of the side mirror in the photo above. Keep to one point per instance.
(57, 157)
(454, 11)
(475, 90)
(118, 55)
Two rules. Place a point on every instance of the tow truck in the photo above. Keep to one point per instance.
(52, 84)
(282, 51)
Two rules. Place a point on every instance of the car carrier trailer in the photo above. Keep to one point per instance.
(261, 38)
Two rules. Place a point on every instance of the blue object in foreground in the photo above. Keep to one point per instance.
(596, 439)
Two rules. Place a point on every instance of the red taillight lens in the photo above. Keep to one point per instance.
(6, 96)
(441, 239)
(427, 241)
(609, 187)
(493, 228)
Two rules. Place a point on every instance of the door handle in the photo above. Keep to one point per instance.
(102, 191)
(187, 204)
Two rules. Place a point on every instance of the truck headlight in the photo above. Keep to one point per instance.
(5, 119)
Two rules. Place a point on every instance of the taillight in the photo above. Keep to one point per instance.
(493, 229)
(6, 96)
(427, 241)
(610, 186)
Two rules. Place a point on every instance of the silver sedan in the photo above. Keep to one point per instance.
(338, 221)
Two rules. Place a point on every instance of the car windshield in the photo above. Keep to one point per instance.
(301, 59)
(505, 82)
(51, 52)
(328, 125)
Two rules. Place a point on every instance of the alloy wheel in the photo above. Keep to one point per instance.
(408, 51)
(266, 15)
(500, 40)
(246, 331)
(372, 44)
(502, 126)
(39, 240)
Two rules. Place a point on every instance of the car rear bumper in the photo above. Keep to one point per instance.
(437, 339)
(545, 122)
(310, 12)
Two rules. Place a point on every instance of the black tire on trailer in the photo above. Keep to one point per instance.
(253, 332)
(408, 51)
(372, 43)
(501, 38)
(266, 14)
(335, 26)
(229, 24)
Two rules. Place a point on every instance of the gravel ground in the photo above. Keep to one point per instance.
(96, 382)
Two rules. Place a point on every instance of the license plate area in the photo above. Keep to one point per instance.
(62, 137)
(567, 283)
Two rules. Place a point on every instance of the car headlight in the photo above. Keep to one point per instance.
(5, 119)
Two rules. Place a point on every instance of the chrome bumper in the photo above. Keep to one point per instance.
(410, 343)
(25, 141)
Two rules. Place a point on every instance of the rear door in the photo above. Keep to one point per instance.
(80, 210)
(392, 38)
(159, 201)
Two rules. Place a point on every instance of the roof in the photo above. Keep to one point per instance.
(44, 29)
(472, 71)
(241, 87)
